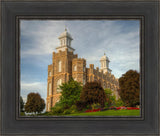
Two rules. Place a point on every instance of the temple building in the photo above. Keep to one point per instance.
(66, 64)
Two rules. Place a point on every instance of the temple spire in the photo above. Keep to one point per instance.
(65, 41)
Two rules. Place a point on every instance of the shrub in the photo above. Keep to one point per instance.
(119, 103)
(80, 105)
(95, 106)
(56, 110)
(73, 109)
(93, 92)
(67, 111)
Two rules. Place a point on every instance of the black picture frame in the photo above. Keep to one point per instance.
(147, 10)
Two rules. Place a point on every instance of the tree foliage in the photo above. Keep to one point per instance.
(93, 93)
(129, 85)
(70, 93)
(110, 97)
(34, 103)
(21, 104)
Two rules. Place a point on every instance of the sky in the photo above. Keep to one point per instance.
(119, 39)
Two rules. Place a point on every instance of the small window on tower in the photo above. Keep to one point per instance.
(50, 88)
(84, 69)
(49, 73)
(75, 68)
(59, 66)
(59, 82)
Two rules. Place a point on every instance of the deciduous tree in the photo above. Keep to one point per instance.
(34, 103)
(93, 93)
(70, 93)
(129, 85)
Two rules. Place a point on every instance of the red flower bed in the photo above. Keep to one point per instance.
(132, 108)
(94, 110)
(128, 108)
(122, 107)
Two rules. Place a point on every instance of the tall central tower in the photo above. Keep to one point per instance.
(60, 71)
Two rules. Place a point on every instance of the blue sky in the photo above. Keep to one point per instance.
(119, 39)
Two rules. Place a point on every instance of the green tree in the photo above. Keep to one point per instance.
(34, 103)
(70, 93)
(21, 104)
(129, 85)
(110, 97)
(93, 93)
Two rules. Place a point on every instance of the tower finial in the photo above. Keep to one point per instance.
(65, 28)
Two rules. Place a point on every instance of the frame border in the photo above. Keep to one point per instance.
(149, 125)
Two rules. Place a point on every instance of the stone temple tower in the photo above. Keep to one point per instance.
(105, 64)
(66, 65)
(60, 71)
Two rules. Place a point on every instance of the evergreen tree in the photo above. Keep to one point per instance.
(21, 104)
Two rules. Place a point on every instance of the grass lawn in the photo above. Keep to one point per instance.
(109, 113)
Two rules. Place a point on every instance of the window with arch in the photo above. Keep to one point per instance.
(59, 82)
(84, 69)
(50, 88)
(84, 81)
(59, 66)
(49, 73)
(75, 68)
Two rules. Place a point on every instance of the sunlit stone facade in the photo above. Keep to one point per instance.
(66, 64)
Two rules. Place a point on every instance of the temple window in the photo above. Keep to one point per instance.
(84, 69)
(59, 66)
(75, 68)
(59, 82)
(50, 88)
(49, 73)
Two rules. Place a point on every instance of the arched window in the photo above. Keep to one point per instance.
(49, 73)
(84, 81)
(59, 66)
(50, 89)
(84, 69)
(75, 68)
(59, 82)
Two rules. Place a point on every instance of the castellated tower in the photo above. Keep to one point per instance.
(66, 64)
